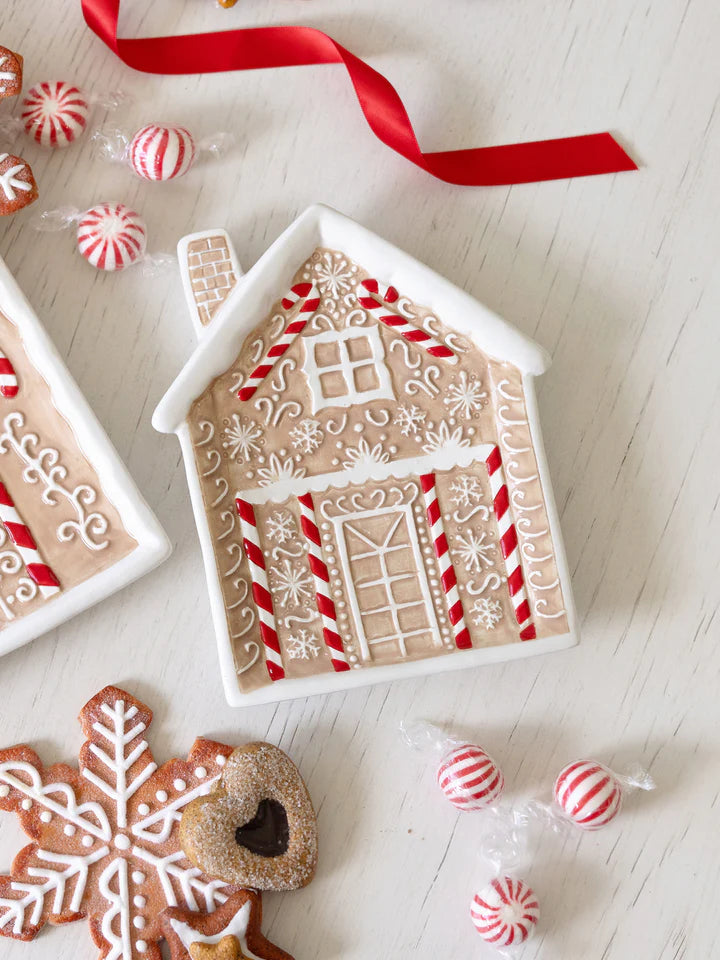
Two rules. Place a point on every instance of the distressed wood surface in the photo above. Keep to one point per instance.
(616, 276)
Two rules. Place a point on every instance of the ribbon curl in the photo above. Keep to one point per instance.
(254, 48)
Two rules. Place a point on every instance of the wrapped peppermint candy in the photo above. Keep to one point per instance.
(55, 113)
(466, 774)
(110, 236)
(158, 151)
(505, 910)
(590, 795)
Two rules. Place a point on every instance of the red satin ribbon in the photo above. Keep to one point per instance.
(256, 47)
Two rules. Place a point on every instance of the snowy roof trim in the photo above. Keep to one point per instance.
(321, 226)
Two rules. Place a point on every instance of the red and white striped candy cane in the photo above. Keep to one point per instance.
(447, 571)
(8, 378)
(380, 302)
(306, 294)
(260, 591)
(23, 539)
(326, 607)
(509, 544)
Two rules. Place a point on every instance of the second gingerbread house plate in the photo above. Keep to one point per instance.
(364, 457)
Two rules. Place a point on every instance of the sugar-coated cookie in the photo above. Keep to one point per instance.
(257, 828)
(17, 184)
(11, 73)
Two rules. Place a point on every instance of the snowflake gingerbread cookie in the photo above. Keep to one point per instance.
(11, 73)
(231, 933)
(105, 834)
(17, 184)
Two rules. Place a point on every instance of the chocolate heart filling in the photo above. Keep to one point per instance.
(267, 834)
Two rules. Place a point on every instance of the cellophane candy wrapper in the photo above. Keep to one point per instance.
(55, 113)
(466, 774)
(159, 151)
(505, 909)
(589, 795)
(110, 236)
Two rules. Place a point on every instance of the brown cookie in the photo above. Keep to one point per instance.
(11, 73)
(257, 828)
(17, 184)
(105, 833)
(232, 932)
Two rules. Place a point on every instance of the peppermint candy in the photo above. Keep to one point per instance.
(54, 114)
(469, 778)
(588, 793)
(506, 912)
(111, 236)
(159, 152)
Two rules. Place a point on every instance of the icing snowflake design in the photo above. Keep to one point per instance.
(467, 490)
(6, 76)
(281, 526)
(278, 470)
(487, 613)
(465, 396)
(443, 438)
(9, 182)
(303, 646)
(105, 835)
(242, 438)
(409, 418)
(334, 276)
(307, 435)
(363, 455)
(474, 550)
(291, 583)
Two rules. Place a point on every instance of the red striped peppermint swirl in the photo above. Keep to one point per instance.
(588, 793)
(469, 778)
(54, 114)
(159, 152)
(506, 912)
(111, 236)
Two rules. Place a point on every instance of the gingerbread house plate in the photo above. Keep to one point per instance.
(73, 526)
(365, 464)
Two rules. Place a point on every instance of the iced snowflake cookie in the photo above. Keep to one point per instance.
(257, 828)
(11, 73)
(232, 932)
(105, 840)
(365, 464)
(17, 184)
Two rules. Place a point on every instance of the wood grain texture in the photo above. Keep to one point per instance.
(616, 276)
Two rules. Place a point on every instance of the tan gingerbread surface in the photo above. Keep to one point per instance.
(50, 486)
(374, 497)
(105, 843)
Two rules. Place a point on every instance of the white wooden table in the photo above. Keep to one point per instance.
(616, 276)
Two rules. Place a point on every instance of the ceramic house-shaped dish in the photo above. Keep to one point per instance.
(365, 466)
(73, 526)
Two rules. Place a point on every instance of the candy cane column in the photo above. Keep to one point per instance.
(23, 539)
(260, 591)
(319, 569)
(381, 302)
(447, 571)
(8, 378)
(306, 294)
(509, 544)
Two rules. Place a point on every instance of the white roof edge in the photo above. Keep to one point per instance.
(320, 225)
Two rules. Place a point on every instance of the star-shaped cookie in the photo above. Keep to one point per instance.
(232, 932)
